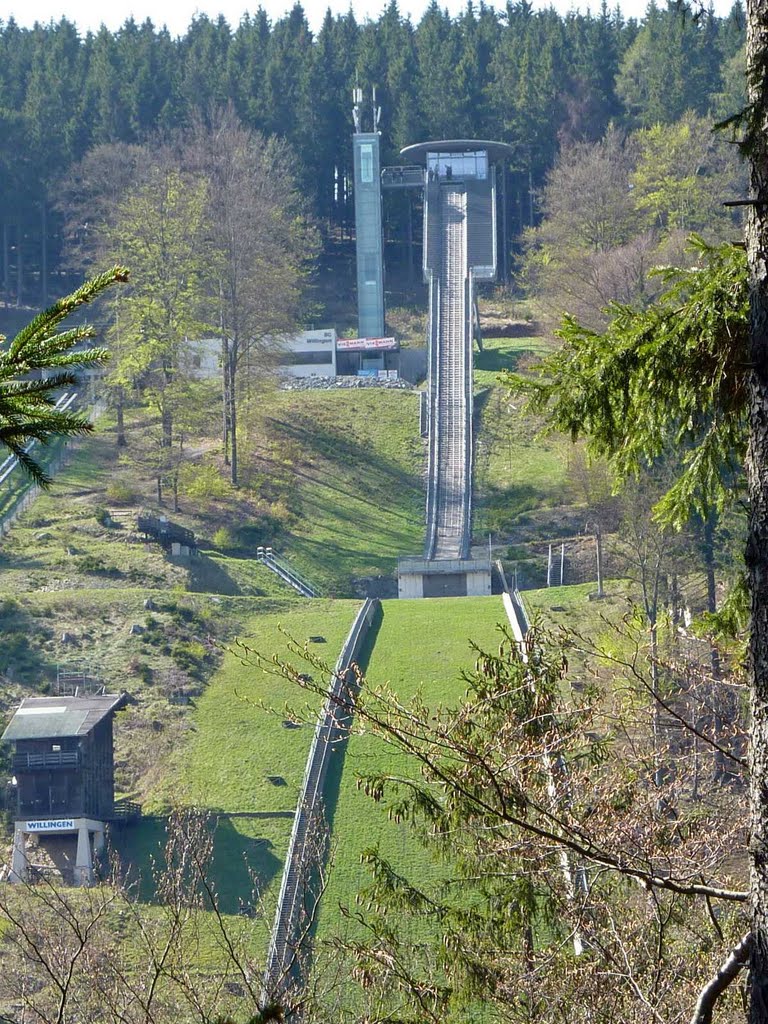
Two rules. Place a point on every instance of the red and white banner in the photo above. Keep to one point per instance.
(365, 344)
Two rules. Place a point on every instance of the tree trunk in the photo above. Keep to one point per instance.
(756, 555)
(120, 414)
(166, 415)
(715, 695)
(233, 469)
(225, 398)
(19, 265)
(710, 525)
(6, 272)
(599, 559)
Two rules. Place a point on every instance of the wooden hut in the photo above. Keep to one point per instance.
(63, 766)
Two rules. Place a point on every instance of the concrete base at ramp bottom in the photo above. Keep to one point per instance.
(448, 577)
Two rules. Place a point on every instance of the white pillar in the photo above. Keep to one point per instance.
(19, 864)
(98, 842)
(84, 859)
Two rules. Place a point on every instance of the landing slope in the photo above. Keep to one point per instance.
(421, 647)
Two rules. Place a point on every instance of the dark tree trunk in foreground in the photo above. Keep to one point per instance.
(756, 143)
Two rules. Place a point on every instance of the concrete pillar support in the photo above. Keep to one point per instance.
(19, 864)
(84, 858)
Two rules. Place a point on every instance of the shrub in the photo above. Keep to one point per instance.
(141, 669)
(203, 480)
(190, 657)
(120, 491)
(102, 517)
(14, 649)
(224, 539)
(94, 564)
(182, 613)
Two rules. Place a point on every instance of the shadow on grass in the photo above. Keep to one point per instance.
(317, 439)
(239, 863)
(496, 359)
(207, 576)
(501, 508)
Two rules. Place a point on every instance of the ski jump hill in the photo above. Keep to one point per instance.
(459, 250)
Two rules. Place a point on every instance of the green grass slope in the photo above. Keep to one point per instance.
(516, 472)
(347, 466)
(237, 759)
(421, 646)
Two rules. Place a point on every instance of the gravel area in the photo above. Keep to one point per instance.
(333, 383)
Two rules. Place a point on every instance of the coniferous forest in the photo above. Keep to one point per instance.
(534, 79)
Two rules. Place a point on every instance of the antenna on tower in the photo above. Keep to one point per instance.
(357, 99)
(376, 110)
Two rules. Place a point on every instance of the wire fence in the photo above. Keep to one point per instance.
(560, 562)
(23, 494)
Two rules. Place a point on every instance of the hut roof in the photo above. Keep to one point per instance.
(57, 717)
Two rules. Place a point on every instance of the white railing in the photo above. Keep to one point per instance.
(468, 413)
(281, 568)
(26, 496)
(301, 860)
(558, 783)
(63, 403)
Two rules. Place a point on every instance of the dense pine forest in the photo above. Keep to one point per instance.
(534, 79)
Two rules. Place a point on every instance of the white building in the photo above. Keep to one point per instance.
(309, 354)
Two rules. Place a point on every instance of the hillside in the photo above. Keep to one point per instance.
(333, 481)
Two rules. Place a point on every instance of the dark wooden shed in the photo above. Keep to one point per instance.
(63, 760)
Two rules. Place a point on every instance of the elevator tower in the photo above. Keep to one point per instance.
(368, 228)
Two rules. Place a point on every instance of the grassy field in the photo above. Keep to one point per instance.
(516, 472)
(332, 480)
(348, 466)
(571, 608)
(421, 646)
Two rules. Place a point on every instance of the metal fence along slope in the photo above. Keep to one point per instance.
(308, 842)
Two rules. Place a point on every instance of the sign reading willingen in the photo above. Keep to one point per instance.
(51, 825)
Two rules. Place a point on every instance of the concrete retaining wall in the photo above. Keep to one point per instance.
(301, 863)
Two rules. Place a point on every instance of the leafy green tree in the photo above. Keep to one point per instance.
(40, 361)
(669, 377)
(527, 87)
(438, 51)
(682, 173)
(159, 229)
(204, 53)
(149, 60)
(678, 377)
(103, 91)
